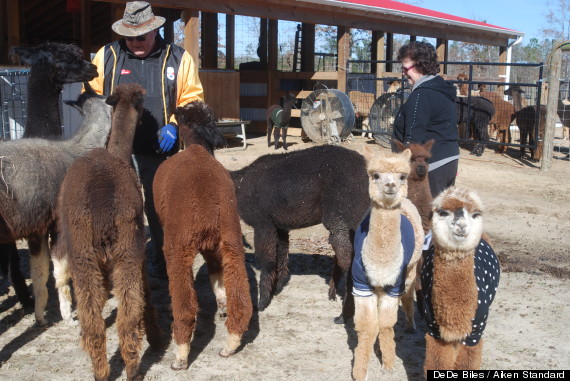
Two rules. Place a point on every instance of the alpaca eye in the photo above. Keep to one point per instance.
(403, 177)
(476, 214)
(376, 176)
(443, 213)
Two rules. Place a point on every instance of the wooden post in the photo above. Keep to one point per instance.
(262, 45)
(272, 39)
(551, 107)
(86, 28)
(12, 18)
(502, 69)
(378, 55)
(117, 11)
(389, 50)
(343, 50)
(442, 54)
(308, 47)
(209, 40)
(191, 19)
(230, 41)
(412, 38)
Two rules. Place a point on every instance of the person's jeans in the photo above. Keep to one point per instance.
(146, 167)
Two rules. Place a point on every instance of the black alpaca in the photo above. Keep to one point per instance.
(479, 113)
(279, 117)
(278, 193)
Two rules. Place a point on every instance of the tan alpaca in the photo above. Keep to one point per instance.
(460, 276)
(382, 258)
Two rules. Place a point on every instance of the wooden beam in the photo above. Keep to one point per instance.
(209, 40)
(13, 23)
(262, 45)
(86, 28)
(191, 19)
(377, 54)
(272, 42)
(502, 69)
(442, 54)
(412, 38)
(308, 47)
(343, 53)
(230, 41)
(117, 11)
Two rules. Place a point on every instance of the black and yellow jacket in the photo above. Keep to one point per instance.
(168, 74)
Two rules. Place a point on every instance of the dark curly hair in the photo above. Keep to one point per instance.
(423, 54)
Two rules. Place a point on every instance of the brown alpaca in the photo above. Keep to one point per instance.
(501, 121)
(460, 276)
(102, 242)
(384, 267)
(420, 195)
(197, 208)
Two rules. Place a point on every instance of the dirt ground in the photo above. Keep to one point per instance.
(528, 219)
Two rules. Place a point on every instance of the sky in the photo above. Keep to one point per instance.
(527, 16)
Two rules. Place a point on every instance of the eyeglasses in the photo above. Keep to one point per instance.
(406, 69)
(138, 38)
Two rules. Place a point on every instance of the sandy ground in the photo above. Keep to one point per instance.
(528, 219)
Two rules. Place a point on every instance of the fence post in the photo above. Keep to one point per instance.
(554, 63)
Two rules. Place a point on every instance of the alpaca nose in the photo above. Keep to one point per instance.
(460, 224)
(422, 170)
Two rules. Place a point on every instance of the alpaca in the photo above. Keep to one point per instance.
(197, 208)
(460, 277)
(501, 121)
(278, 193)
(102, 242)
(32, 171)
(387, 247)
(52, 66)
(420, 195)
(278, 119)
(526, 122)
(478, 113)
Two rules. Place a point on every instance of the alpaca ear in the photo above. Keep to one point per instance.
(26, 55)
(407, 153)
(429, 144)
(112, 100)
(399, 145)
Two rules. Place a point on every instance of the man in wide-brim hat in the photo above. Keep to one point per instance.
(170, 77)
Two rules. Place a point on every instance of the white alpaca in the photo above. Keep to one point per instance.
(388, 245)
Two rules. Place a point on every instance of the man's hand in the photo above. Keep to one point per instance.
(166, 138)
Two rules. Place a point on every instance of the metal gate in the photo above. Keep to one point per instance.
(377, 99)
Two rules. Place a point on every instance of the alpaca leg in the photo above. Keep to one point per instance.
(418, 286)
(439, 355)
(15, 274)
(217, 283)
(239, 298)
(62, 278)
(408, 306)
(282, 260)
(269, 131)
(265, 241)
(184, 301)
(91, 296)
(39, 269)
(130, 294)
(387, 317)
(469, 358)
(276, 133)
(284, 136)
(339, 238)
(366, 326)
(151, 326)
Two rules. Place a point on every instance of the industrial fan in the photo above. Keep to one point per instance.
(382, 115)
(327, 116)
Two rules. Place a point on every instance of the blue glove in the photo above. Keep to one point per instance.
(166, 138)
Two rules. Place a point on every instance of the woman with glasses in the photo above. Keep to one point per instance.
(170, 78)
(429, 113)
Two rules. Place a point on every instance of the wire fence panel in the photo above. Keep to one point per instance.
(377, 99)
(13, 96)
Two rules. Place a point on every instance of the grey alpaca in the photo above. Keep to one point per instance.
(31, 173)
(52, 66)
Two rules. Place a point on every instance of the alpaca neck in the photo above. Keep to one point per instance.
(451, 254)
(95, 127)
(122, 133)
(420, 195)
(44, 119)
(385, 234)
(517, 100)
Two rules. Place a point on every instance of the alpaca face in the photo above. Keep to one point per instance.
(388, 176)
(457, 221)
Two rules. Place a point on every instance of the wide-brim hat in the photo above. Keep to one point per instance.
(137, 20)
